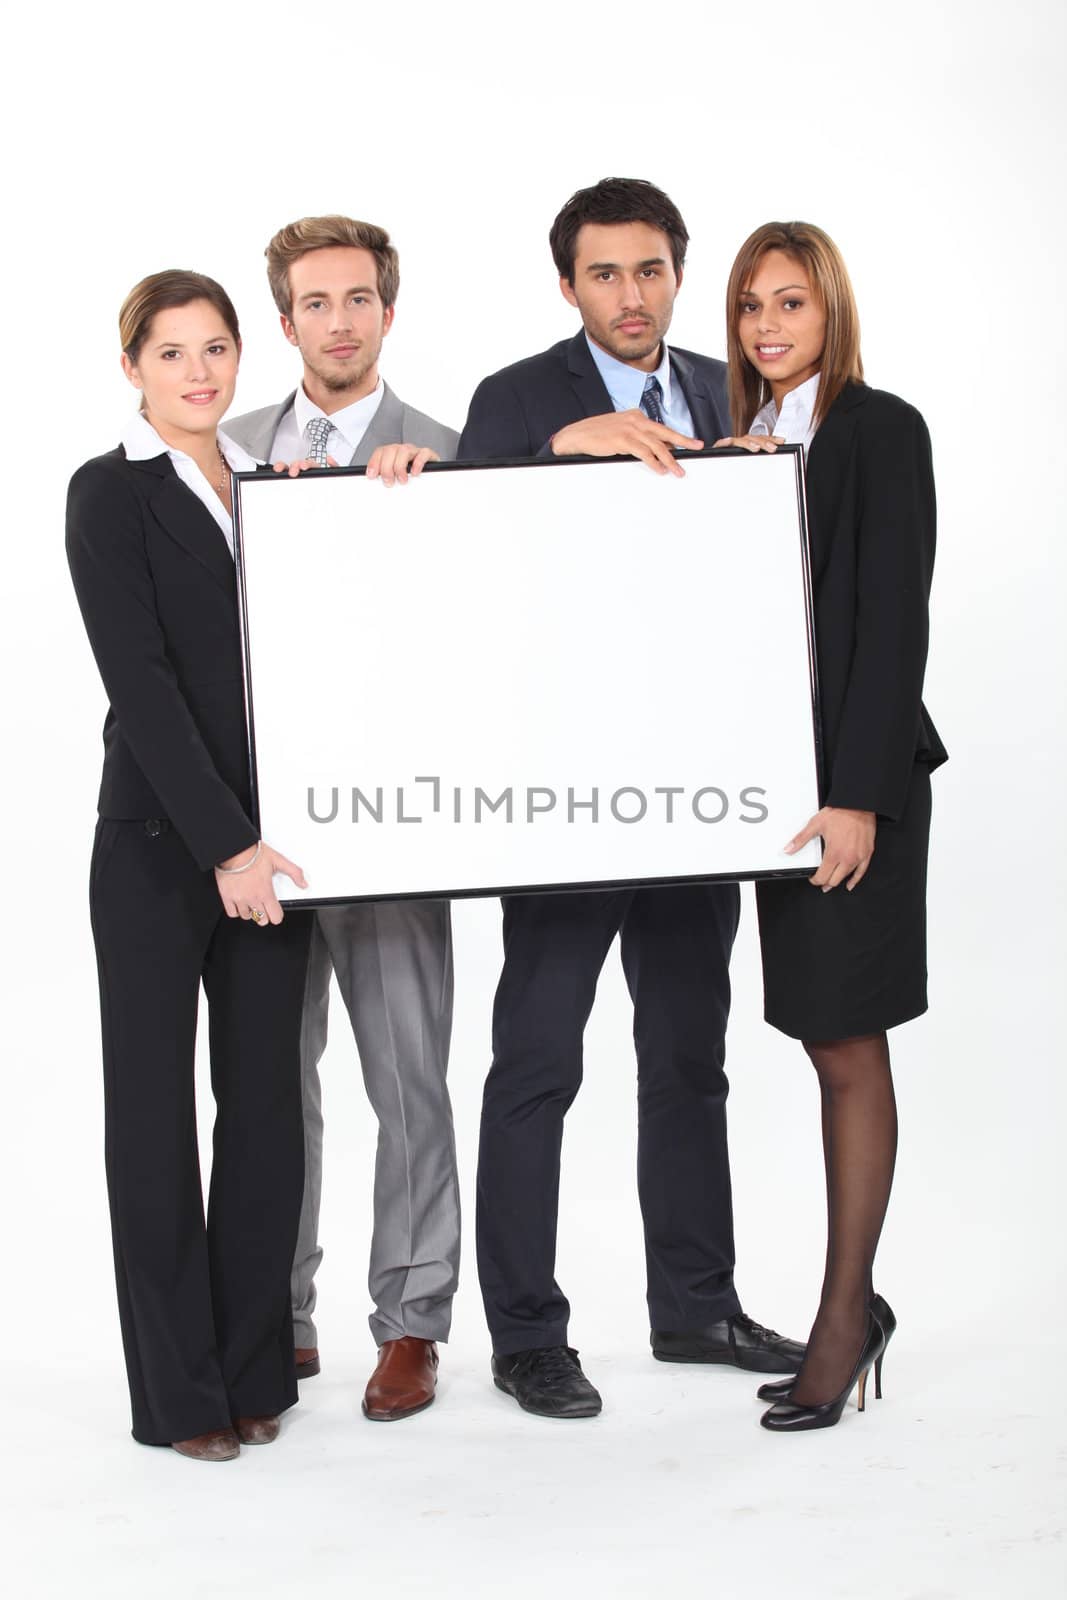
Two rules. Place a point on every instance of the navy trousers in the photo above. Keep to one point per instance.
(676, 945)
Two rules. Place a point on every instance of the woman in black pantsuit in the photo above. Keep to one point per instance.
(844, 953)
(181, 892)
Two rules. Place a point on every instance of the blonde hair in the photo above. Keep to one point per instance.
(162, 291)
(842, 363)
(326, 233)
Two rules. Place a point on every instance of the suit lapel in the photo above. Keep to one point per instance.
(826, 474)
(585, 378)
(259, 439)
(264, 440)
(837, 427)
(385, 427)
(187, 521)
(594, 398)
(707, 424)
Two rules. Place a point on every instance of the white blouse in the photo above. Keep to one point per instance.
(794, 422)
(141, 442)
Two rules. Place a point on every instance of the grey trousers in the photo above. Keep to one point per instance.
(393, 961)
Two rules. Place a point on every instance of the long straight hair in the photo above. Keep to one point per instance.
(817, 253)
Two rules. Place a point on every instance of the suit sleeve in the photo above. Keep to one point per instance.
(720, 402)
(114, 585)
(880, 719)
(448, 444)
(496, 426)
(418, 428)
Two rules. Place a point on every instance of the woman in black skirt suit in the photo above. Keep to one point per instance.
(182, 895)
(844, 953)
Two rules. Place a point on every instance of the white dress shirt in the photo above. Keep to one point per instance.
(794, 422)
(351, 423)
(626, 385)
(141, 442)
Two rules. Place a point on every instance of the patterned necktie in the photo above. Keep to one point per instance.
(651, 400)
(318, 431)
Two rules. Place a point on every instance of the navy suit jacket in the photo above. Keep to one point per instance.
(515, 412)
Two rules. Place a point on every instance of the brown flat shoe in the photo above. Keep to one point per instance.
(258, 1430)
(223, 1445)
(404, 1380)
(307, 1361)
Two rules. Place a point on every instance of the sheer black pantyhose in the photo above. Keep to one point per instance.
(859, 1129)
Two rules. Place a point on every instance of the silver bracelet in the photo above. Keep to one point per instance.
(247, 865)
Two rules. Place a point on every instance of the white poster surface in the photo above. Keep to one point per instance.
(556, 674)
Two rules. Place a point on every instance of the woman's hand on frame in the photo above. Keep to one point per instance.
(244, 893)
(848, 845)
(752, 442)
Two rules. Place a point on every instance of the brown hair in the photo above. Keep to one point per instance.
(326, 233)
(161, 291)
(616, 200)
(817, 253)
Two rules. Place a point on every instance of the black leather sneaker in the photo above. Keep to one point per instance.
(548, 1383)
(735, 1342)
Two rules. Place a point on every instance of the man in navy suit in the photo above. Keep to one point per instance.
(614, 389)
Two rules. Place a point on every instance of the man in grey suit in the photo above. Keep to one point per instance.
(334, 281)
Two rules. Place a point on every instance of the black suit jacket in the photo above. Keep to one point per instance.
(158, 593)
(515, 412)
(872, 522)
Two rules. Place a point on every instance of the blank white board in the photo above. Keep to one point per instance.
(552, 674)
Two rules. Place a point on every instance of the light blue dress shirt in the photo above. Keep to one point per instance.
(626, 385)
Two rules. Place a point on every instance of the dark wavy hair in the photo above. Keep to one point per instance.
(616, 200)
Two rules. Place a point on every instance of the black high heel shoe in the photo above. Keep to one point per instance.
(786, 1417)
(882, 1313)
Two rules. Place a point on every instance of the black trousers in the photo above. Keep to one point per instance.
(205, 1313)
(676, 945)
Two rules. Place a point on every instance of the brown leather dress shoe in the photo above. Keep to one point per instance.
(257, 1430)
(223, 1445)
(307, 1361)
(404, 1380)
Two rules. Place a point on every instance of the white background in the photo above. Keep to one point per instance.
(584, 631)
(928, 139)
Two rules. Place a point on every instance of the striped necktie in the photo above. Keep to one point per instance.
(318, 431)
(651, 400)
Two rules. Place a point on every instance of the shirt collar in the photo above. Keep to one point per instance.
(626, 384)
(351, 421)
(793, 422)
(141, 442)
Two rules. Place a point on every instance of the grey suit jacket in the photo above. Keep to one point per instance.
(392, 423)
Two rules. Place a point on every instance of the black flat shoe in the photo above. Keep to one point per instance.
(882, 1313)
(737, 1341)
(785, 1417)
(547, 1383)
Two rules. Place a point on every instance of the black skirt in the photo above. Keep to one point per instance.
(839, 965)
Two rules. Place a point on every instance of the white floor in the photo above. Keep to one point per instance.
(949, 1489)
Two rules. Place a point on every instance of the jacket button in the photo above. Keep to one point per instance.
(153, 827)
